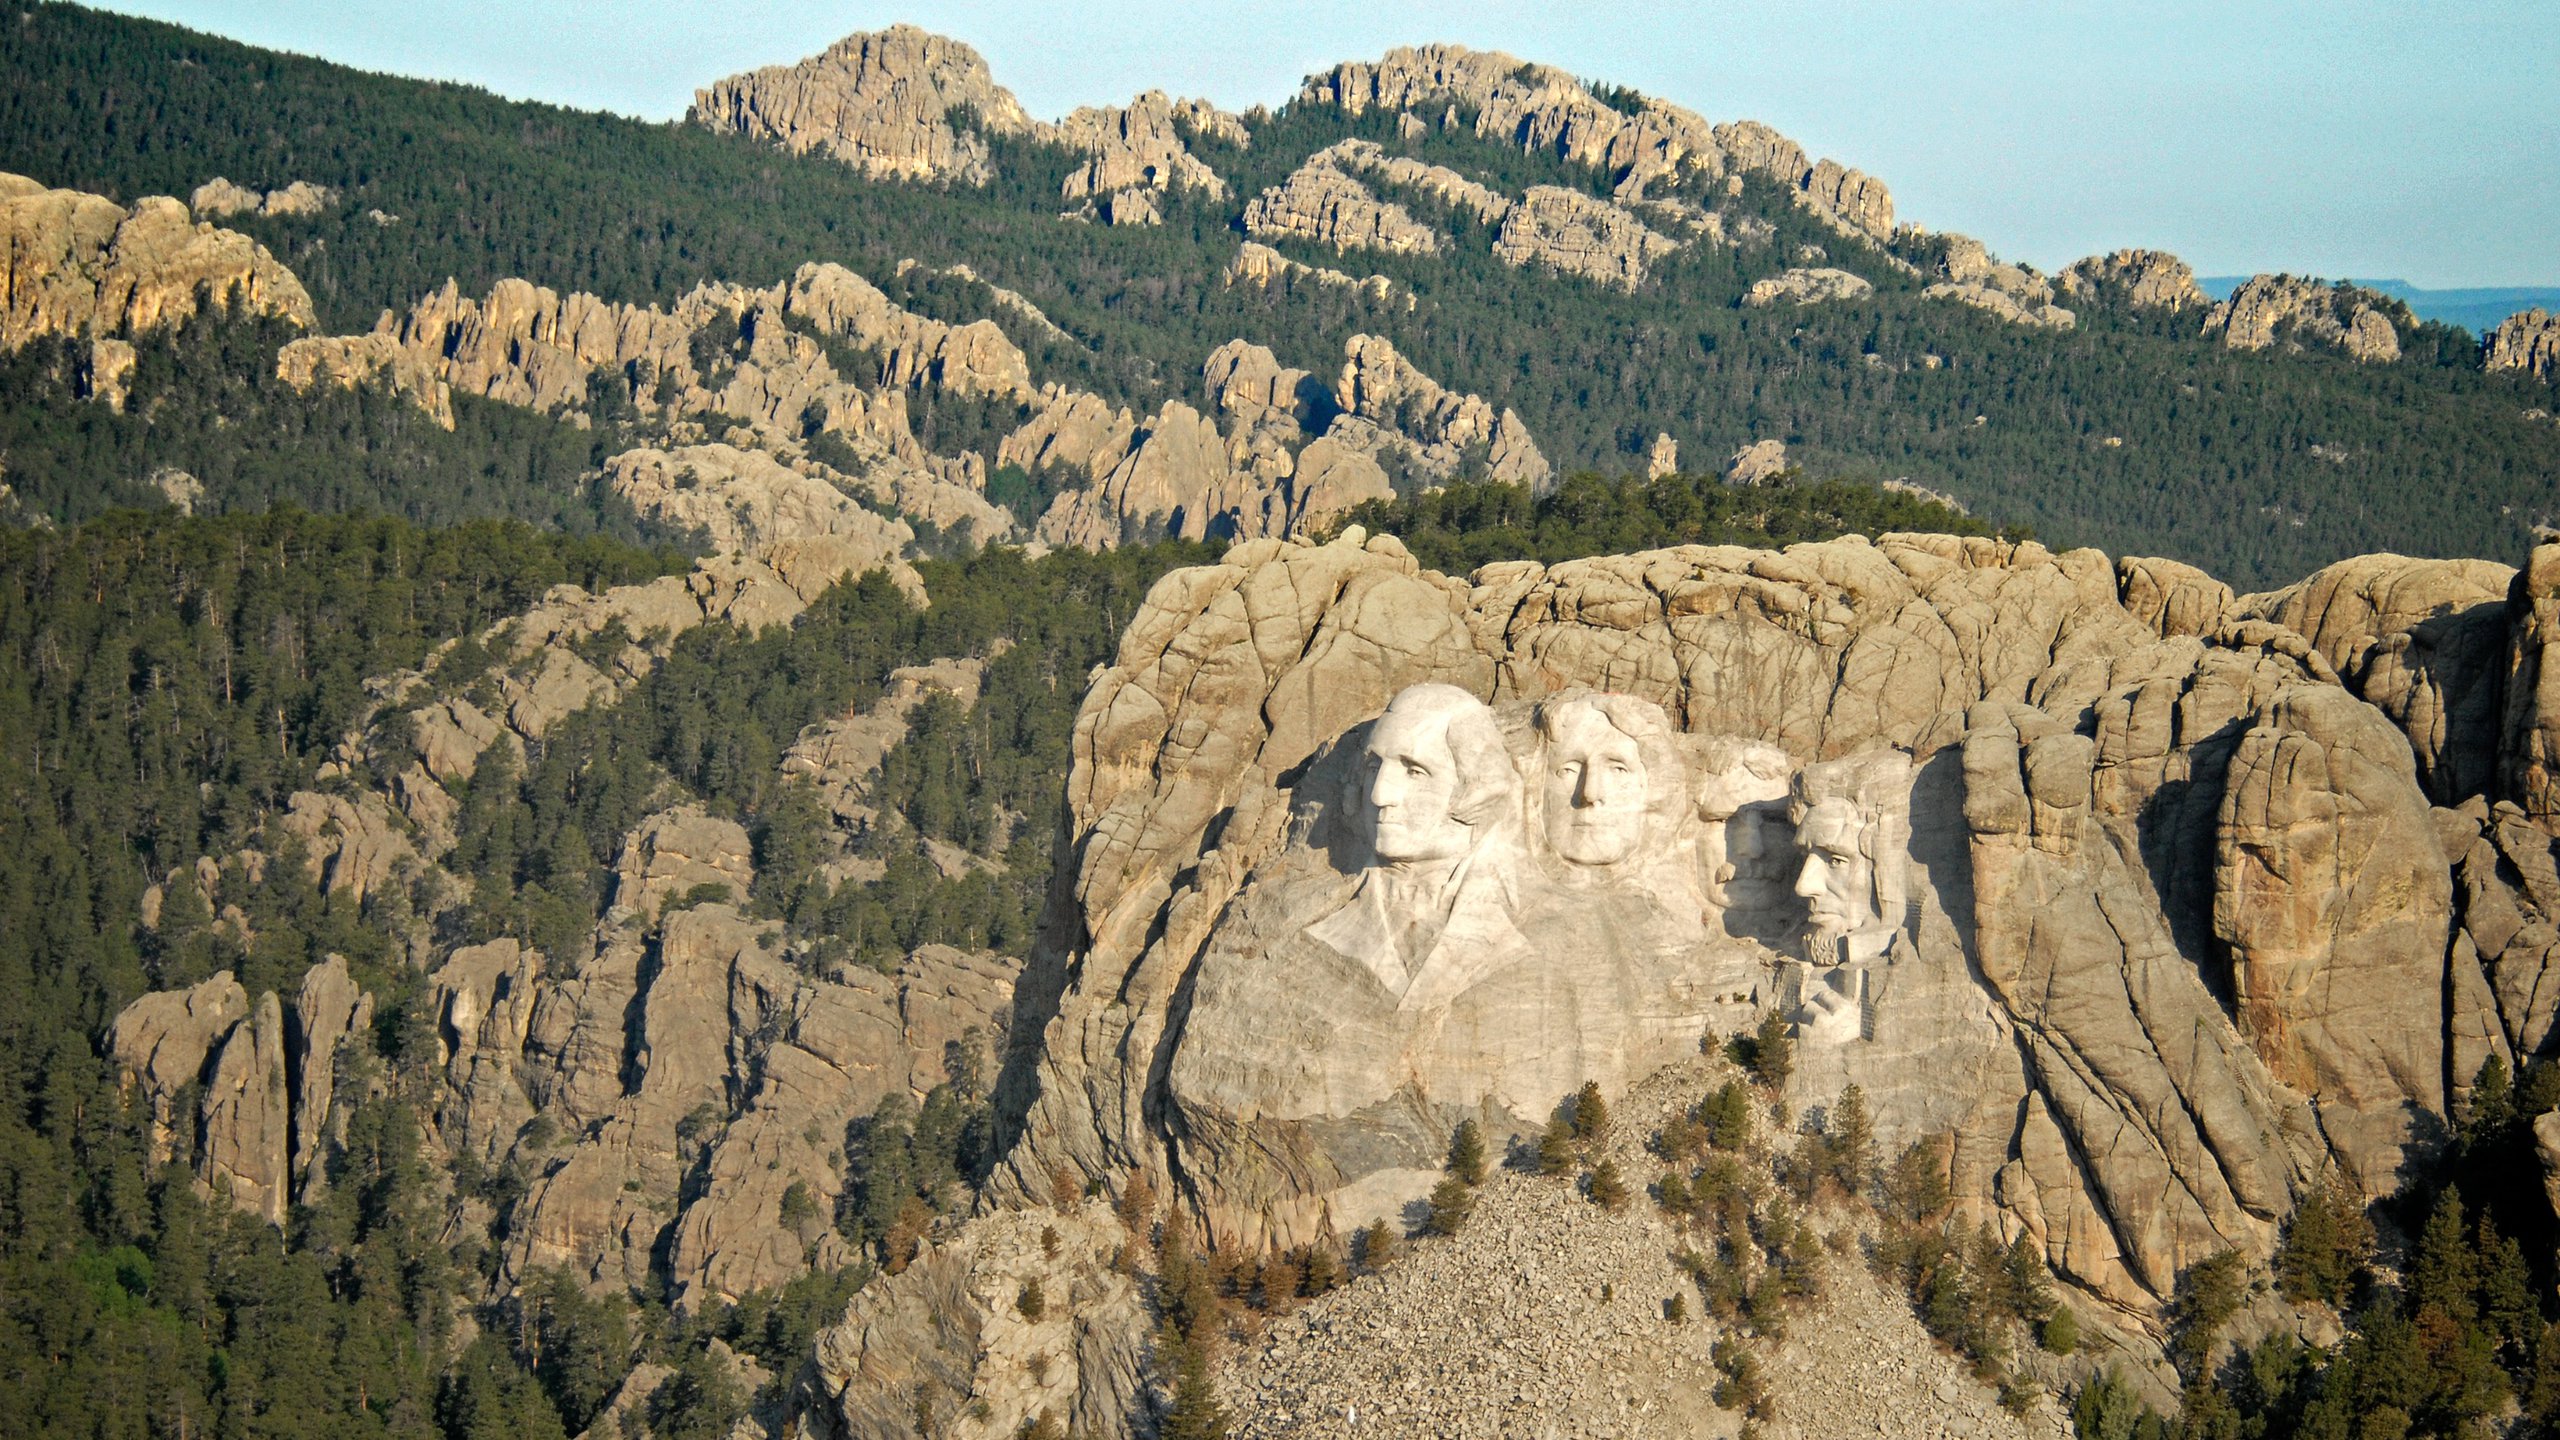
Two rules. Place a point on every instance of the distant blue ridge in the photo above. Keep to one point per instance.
(2477, 311)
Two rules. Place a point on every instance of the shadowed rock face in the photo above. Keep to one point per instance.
(2110, 877)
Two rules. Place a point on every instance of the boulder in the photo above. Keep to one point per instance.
(2142, 279)
(1803, 286)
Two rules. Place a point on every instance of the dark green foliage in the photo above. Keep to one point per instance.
(1466, 1153)
(1608, 1190)
(1195, 1413)
(1556, 1153)
(1740, 1385)
(1768, 1052)
(777, 1327)
(1451, 1203)
(1590, 1114)
(1377, 1246)
(2060, 1333)
(2216, 468)
(205, 399)
(2209, 1293)
(165, 683)
(1030, 1302)
(1916, 1189)
(1846, 1148)
(1461, 526)
(700, 1401)
(2108, 1407)
(2326, 1245)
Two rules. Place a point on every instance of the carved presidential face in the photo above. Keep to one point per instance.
(1596, 787)
(1747, 845)
(1837, 881)
(1414, 785)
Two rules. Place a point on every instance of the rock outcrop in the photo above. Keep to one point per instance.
(1807, 286)
(904, 104)
(1579, 235)
(948, 1338)
(527, 345)
(1258, 264)
(2529, 740)
(262, 1081)
(1757, 463)
(1543, 108)
(2528, 340)
(743, 500)
(1252, 468)
(83, 267)
(1322, 204)
(2268, 308)
(1969, 275)
(1437, 181)
(2004, 305)
(2142, 279)
(2130, 893)
(882, 102)
(1140, 146)
(218, 199)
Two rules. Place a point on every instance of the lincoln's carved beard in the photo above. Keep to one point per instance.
(1413, 785)
(1596, 788)
(1838, 882)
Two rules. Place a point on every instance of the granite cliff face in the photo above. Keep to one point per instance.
(2158, 902)
(81, 266)
(882, 102)
(904, 104)
(2528, 341)
(2269, 308)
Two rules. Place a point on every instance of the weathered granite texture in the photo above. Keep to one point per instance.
(2113, 878)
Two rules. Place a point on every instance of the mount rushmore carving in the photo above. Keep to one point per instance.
(2160, 904)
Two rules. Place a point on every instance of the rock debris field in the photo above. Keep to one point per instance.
(1544, 1319)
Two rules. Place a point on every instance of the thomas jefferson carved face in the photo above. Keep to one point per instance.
(1596, 786)
(1837, 881)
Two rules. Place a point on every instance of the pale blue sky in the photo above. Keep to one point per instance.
(2414, 140)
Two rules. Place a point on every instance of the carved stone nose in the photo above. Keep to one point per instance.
(1809, 880)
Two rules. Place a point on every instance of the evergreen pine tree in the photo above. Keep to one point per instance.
(1590, 1114)
(1451, 1203)
(1466, 1153)
(1773, 1052)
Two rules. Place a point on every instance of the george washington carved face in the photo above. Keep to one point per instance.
(1435, 774)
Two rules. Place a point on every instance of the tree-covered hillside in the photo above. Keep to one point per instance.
(2129, 432)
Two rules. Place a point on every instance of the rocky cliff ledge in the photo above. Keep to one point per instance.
(2159, 905)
